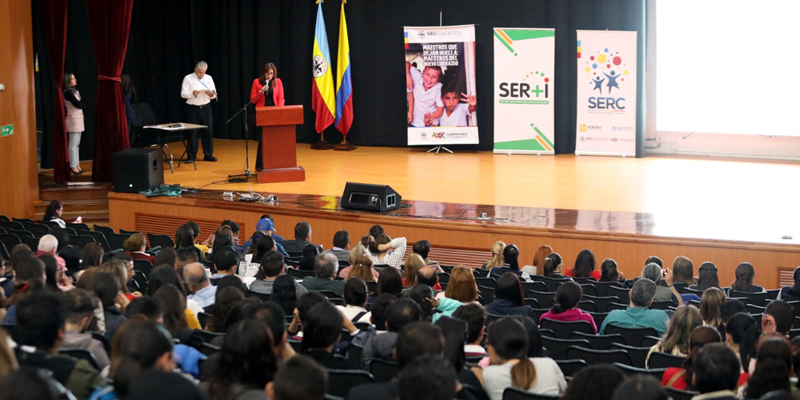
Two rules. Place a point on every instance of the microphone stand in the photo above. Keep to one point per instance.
(247, 174)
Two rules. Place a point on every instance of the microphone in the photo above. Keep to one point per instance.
(266, 85)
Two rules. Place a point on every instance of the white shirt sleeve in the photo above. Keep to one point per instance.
(210, 83)
(186, 88)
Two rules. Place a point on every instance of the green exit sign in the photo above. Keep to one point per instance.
(6, 130)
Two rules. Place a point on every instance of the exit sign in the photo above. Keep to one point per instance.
(6, 130)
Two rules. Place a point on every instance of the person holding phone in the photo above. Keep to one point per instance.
(267, 91)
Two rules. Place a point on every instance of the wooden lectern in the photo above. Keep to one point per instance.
(278, 144)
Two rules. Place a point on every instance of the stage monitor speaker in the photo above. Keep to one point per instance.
(363, 196)
(137, 170)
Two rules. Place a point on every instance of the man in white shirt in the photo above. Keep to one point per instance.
(203, 292)
(198, 89)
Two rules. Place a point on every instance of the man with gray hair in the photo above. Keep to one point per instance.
(48, 244)
(325, 266)
(638, 315)
(203, 292)
(663, 293)
(198, 89)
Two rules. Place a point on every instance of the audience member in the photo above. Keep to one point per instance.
(640, 387)
(422, 248)
(322, 327)
(325, 267)
(710, 304)
(271, 268)
(772, 369)
(355, 299)
(154, 384)
(585, 266)
(497, 256)
(565, 305)
(390, 281)
(744, 275)
(387, 251)
(510, 263)
(304, 304)
(79, 308)
(92, 256)
(454, 331)
(123, 271)
(29, 278)
(677, 339)
(682, 378)
(663, 293)
(310, 253)
(462, 286)
(431, 308)
(609, 271)
(742, 334)
(200, 288)
(48, 244)
(638, 315)
(273, 316)
(792, 291)
(173, 306)
(106, 286)
(341, 246)
(302, 237)
(595, 382)
(284, 293)
(38, 384)
(413, 263)
(379, 314)
(380, 346)
(427, 378)
(167, 256)
(427, 276)
(508, 298)
(223, 303)
(552, 266)
(778, 317)
(537, 267)
(475, 317)
(291, 381)
(135, 246)
(716, 373)
(360, 268)
(165, 276)
(706, 277)
(683, 271)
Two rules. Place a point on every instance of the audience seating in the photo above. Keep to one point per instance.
(487, 282)
(664, 360)
(20, 233)
(10, 241)
(589, 289)
(354, 353)
(81, 354)
(487, 294)
(103, 229)
(513, 393)
(557, 348)
(547, 332)
(616, 306)
(552, 283)
(261, 296)
(530, 301)
(78, 227)
(208, 336)
(99, 237)
(80, 241)
(638, 354)
(657, 373)
(143, 265)
(621, 293)
(537, 286)
(650, 341)
(602, 287)
(570, 367)
(773, 293)
(545, 299)
(599, 317)
(564, 329)
(587, 305)
(757, 299)
(744, 300)
(444, 277)
(33, 243)
(593, 357)
(163, 241)
(677, 394)
(209, 349)
(115, 240)
(601, 302)
(632, 336)
(203, 317)
(661, 305)
(600, 342)
(37, 229)
(480, 273)
(754, 309)
(382, 370)
(298, 274)
(340, 381)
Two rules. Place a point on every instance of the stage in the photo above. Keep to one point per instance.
(720, 210)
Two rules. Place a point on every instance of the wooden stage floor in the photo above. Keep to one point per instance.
(720, 210)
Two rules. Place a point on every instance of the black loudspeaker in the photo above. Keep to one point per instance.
(137, 170)
(363, 196)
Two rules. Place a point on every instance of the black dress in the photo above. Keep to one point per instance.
(269, 101)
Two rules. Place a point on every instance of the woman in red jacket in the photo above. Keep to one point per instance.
(267, 91)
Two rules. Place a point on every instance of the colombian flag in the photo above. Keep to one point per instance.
(323, 100)
(344, 92)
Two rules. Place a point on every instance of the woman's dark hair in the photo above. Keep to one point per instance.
(584, 264)
(535, 343)
(106, 286)
(455, 337)
(595, 382)
(683, 270)
(511, 256)
(744, 277)
(247, 357)
(567, 297)
(284, 292)
(773, 366)
(194, 227)
(640, 387)
(184, 237)
(50, 271)
(379, 240)
(745, 332)
(420, 294)
(142, 344)
(707, 276)
(167, 256)
(50, 212)
(224, 301)
(261, 244)
(92, 255)
(796, 279)
(262, 79)
(322, 326)
(701, 336)
(173, 306)
(164, 275)
(310, 253)
(390, 281)
(65, 85)
(127, 86)
(28, 273)
(510, 341)
(608, 271)
(509, 288)
(551, 263)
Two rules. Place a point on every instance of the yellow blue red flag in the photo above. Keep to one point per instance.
(323, 99)
(344, 90)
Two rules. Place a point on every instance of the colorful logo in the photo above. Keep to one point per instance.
(438, 135)
(583, 127)
(606, 70)
(320, 66)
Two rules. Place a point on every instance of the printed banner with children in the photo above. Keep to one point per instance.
(524, 68)
(440, 85)
(606, 118)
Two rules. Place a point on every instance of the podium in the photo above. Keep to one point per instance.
(279, 144)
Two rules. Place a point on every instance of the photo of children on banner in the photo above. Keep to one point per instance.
(435, 93)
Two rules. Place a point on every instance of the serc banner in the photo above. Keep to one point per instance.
(440, 85)
(524, 68)
(606, 117)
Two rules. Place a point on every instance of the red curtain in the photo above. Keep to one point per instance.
(54, 14)
(110, 23)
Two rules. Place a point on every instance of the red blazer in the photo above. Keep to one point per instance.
(277, 92)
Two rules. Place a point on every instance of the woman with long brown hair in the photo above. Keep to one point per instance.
(267, 91)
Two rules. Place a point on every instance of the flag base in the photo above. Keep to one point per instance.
(321, 145)
(344, 146)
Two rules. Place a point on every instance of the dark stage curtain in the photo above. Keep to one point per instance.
(236, 38)
(110, 23)
(54, 14)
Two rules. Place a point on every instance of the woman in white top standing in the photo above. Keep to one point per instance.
(386, 251)
(74, 120)
(511, 367)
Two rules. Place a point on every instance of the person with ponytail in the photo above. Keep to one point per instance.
(511, 263)
(137, 346)
(29, 277)
(565, 305)
(741, 335)
(508, 298)
(792, 291)
(511, 366)
(497, 256)
(552, 266)
(609, 271)
(744, 279)
(676, 340)
(706, 277)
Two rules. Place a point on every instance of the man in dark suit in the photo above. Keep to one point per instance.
(341, 246)
(302, 237)
(325, 266)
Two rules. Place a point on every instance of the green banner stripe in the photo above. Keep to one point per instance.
(527, 144)
(542, 135)
(522, 34)
(524, 102)
(503, 41)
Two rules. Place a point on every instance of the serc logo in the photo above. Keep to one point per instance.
(605, 71)
(438, 135)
